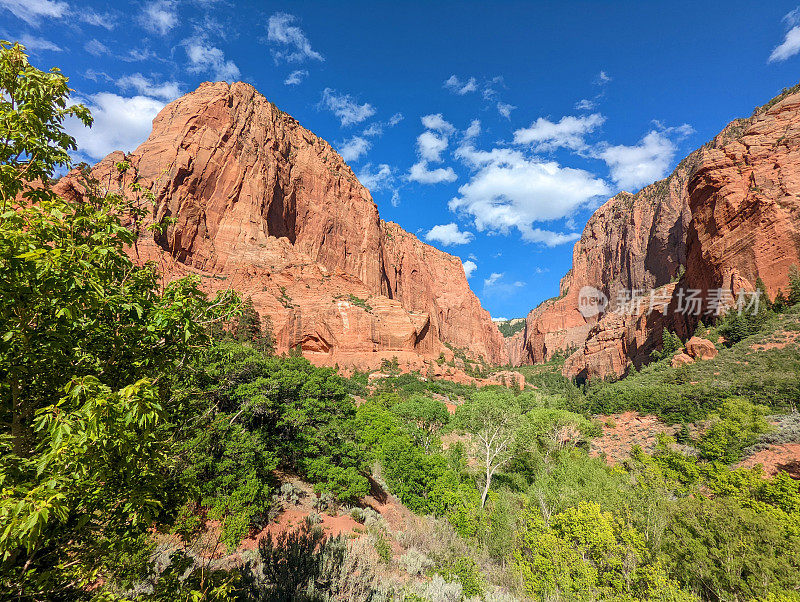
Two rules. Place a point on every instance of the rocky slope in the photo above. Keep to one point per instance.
(727, 215)
(253, 201)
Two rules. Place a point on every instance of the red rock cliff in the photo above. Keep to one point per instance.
(729, 213)
(262, 205)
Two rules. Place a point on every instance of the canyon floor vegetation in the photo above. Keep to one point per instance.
(148, 431)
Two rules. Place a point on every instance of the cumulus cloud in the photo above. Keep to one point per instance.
(421, 174)
(454, 84)
(497, 285)
(640, 164)
(159, 16)
(469, 268)
(395, 119)
(602, 78)
(345, 108)
(169, 90)
(510, 190)
(380, 178)
(33, 11)
(585, 105)
(374, 129)
(505, 109)
(791, 41)
(354, 148)
(431, 145)
(473, 131)
(294, 46)
(438, 123)
(296, 77)
(569, 132)
(449, 234)
(206, 58)
(120, 123)
(34, 44)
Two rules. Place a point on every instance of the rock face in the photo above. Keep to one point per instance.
(745, 204)
(257, 203)
(700, 349)
(634, 241)
(728, 215)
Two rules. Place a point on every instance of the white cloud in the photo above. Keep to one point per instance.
(380, 178)
(788, 48)
(430, 146)
(345, 108)
(119, 124)
(374, 129)
(33, 11)
(635, 166)
(473, 131)
(296, 77)
(34, 44)
(509, 190)
(469, 268)
(420, 173)
(499, 319)
(105, 20)
(496, 285)
(167, 91)
(492, 279)
(449, 234)
(96, 48)
(296, 47)
(569, 132)
(585, 105)
(438, 123)
(159, 16)
(602, 78)
(205, 58)
(505, 109)
(395, 119)
(354, 148)
(454, 84)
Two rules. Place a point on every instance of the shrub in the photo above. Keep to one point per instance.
(415, 562)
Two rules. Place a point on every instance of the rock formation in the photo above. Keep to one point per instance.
(727, 215)
(251, 200)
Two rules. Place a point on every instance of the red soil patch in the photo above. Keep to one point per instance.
(622, 431)
(784, 457)
(789, 338)
(293, 518)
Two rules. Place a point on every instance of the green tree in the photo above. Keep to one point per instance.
(736, 425)
(794, 285)
(585, 553)
(725, 551)
(424, 416)
(492, 418)
(87, 342)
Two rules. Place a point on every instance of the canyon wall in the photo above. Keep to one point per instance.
(728, 215)
(251, 200)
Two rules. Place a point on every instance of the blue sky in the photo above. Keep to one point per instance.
(491, 131)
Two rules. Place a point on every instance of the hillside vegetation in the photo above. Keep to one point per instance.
(151, 442)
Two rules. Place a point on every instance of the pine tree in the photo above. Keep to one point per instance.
(780, 303)
(794, 285)
(763, 294)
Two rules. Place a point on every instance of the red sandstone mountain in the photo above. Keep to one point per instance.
(729, 213)
(262, 205)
